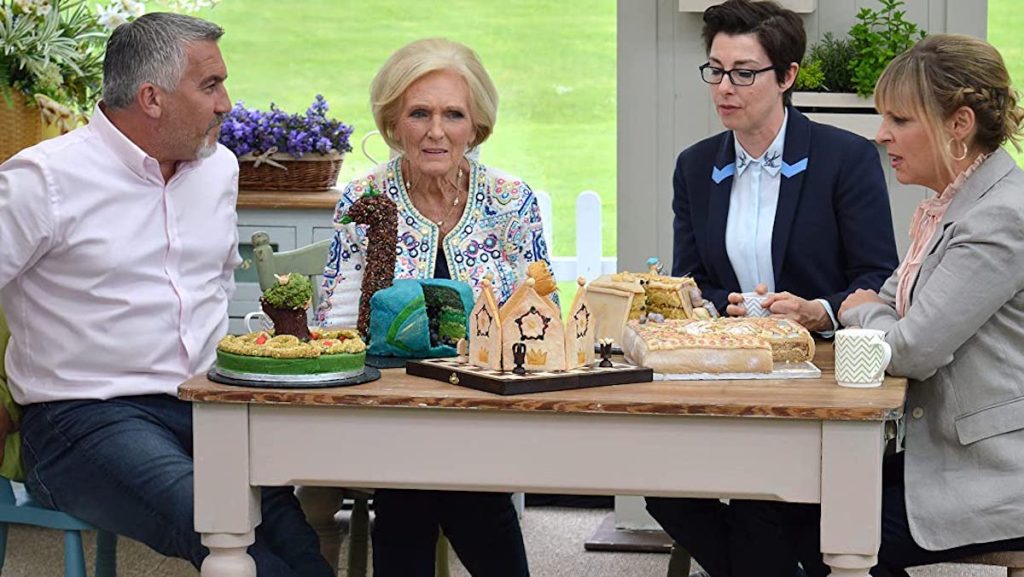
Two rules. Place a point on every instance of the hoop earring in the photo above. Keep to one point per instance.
(949, 145)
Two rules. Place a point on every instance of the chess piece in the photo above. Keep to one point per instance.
(519, 357)
(462, 348)
(605, 350)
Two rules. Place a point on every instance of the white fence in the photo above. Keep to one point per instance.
(588, 261)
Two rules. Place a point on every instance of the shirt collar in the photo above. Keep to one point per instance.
(136, 159)
(771, 160)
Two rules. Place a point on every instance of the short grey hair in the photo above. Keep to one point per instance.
(152, 48)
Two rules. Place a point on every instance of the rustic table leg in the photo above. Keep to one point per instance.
(227, 508)
(851, 496)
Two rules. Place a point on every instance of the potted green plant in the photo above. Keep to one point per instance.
(838, 76)
(51, 62)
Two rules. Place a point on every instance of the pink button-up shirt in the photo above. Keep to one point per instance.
(113, 281)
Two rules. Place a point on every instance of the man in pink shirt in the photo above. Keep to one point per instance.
(119, 244)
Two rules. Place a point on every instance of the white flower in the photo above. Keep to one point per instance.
(133, 8)
(111, 16)
(39, 7)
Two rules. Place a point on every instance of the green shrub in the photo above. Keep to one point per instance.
(834, 56)
(811, 77)
(877, 38)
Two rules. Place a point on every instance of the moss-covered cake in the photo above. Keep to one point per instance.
(292, 352)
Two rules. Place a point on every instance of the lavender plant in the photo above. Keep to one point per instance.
(248, 131)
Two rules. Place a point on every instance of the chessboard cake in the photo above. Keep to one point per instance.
(722, 345)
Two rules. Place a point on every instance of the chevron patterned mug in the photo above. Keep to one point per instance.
(862, 356)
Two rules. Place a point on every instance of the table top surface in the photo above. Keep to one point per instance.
(288, 199)
(817, 399)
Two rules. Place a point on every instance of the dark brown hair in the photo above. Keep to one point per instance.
(780, 31)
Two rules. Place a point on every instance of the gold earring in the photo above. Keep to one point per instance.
(949, 145)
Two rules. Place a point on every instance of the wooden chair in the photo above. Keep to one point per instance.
(321, 503)
(17, 508)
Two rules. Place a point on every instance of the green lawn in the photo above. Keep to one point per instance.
(553, 64)
(1004, 18)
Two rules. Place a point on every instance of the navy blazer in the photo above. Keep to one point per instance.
(833, 229)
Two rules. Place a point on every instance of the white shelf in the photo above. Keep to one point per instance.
(833, 100)
(865, 125)
(799, 6)
(848, 111)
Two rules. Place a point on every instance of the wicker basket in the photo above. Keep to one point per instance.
(280, 171)
(20, 126)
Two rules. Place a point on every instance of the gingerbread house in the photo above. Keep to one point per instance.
(532, 323)
(617, 298)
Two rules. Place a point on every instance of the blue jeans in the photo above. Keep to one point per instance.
(125, 465)
(483, 528)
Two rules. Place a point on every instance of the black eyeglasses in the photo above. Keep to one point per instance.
(737, 76)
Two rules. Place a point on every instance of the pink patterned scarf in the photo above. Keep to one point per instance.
(922, 227)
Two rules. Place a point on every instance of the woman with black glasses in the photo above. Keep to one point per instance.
(776, 204)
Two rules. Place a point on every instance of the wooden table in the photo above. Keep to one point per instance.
(807, 441)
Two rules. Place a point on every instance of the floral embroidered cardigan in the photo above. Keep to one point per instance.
(499, 234)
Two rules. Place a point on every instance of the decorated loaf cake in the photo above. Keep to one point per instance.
(722, 345)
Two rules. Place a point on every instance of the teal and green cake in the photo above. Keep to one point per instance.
(419, 318)
(261, 356)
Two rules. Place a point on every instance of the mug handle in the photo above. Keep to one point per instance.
(263, 319)
(886, 357)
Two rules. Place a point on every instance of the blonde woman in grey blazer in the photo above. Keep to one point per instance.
(954, 310)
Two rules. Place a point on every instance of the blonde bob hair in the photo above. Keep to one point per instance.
(944, 72)
(417, 59)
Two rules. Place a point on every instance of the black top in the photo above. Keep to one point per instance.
(441, 270)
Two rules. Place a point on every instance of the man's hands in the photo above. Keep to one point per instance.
(811, 314)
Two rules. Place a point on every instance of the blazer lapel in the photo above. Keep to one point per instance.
(722, 173)
(795, 156)
(990, 172)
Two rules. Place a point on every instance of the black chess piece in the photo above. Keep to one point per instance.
(605, 349)
(519, 357)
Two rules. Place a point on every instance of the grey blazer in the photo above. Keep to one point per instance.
(961, 344)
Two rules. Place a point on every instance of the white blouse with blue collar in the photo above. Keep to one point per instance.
(752, 205)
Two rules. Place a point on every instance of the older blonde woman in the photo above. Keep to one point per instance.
(954, 310)
(432, 102)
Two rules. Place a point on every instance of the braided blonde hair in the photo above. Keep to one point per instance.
(944, 72)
